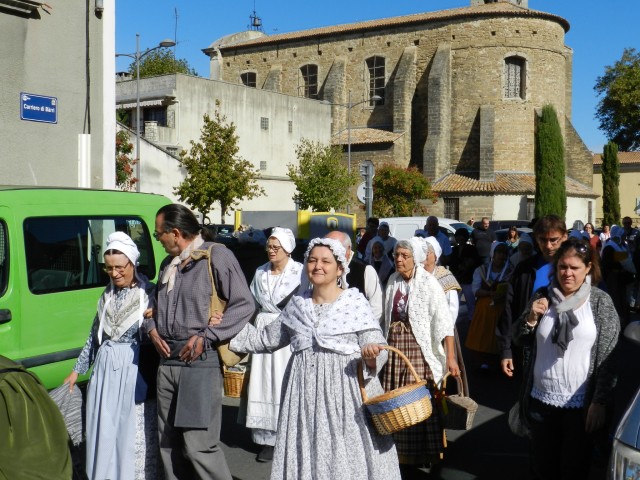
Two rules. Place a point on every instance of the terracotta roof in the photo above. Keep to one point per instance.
(364, 136)
(623, 157)
(486, 10)
(504, 183)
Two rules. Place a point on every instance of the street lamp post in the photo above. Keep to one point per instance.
(349, 106)
(137, 56)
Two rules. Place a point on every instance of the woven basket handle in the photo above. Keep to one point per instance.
(397, 352)
(461, 390)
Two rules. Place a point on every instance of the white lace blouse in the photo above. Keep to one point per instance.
(562, 381)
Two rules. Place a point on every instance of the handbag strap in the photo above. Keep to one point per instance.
(216, 304)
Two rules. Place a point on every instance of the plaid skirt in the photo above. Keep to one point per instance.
(426, 441)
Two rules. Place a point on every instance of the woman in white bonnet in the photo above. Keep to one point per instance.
(323, 430)
(113, 349)
(273, 285)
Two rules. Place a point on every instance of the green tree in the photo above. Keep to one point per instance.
(321, 178)
(610, 183)
(214, 171)
(161, 62)
(124, 163)
(397, 192)
(619, 108)
(551, 197)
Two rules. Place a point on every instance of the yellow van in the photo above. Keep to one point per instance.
(51, 267)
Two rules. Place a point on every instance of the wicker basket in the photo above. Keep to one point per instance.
(458, 410)
(234, 380)
(400, 408)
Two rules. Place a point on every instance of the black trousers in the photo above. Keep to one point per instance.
(560, 447)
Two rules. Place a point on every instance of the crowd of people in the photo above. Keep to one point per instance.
(545, 307)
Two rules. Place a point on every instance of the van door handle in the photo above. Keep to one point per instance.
(5, 315)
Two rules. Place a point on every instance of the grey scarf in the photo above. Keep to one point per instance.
(566, 320)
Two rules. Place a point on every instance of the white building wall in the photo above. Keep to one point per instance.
(189, 98)
(46, 54)
(577, 209)
(510, 207)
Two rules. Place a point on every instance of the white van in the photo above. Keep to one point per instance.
(402, 228)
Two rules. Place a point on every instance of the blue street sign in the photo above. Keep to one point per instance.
(38, 108)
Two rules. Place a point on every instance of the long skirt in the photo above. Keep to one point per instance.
(265, 389)
(426, 441)
(111, 414)
(481, 336)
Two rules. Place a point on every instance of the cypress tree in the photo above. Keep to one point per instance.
(551, 197)
(610, 184)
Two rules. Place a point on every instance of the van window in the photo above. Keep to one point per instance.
(65, 253)
(4, 258)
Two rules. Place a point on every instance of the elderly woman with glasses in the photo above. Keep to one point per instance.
(419, 323)
(570, 329)
(113, 349)
(273, 285)
(323, 430)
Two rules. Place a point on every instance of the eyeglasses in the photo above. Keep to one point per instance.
(552, 241)
(273, 248)
(116, 268)
(157, 235)
(404, 256)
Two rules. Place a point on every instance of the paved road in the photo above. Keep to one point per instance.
(489, 451)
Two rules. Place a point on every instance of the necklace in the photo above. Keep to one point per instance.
(278, 280)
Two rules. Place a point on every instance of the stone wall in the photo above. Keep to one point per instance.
(440, 75)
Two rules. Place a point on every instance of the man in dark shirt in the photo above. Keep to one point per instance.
(529, 275)
(482, 237)
(372, 230)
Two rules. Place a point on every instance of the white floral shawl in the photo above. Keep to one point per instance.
(429, 316)
(349, 313)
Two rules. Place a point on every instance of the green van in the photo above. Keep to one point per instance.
(51, 267)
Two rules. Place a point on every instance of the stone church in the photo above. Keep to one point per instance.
(454, 92)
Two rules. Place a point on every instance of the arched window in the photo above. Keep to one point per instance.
(249, 79)
(375, 67)
(309, 86)
(514, 77)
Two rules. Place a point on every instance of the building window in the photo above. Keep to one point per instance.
(452, 207)
(263, 165)
(290, 126)
(531, 208)
(249, 79)
(264, 123)
(375, 66)
(156, 114)
(514, 77)
(309, 75)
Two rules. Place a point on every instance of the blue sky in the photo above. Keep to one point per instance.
(600, 30)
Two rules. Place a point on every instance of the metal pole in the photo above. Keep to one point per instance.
(349, 142)
(138, 111)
